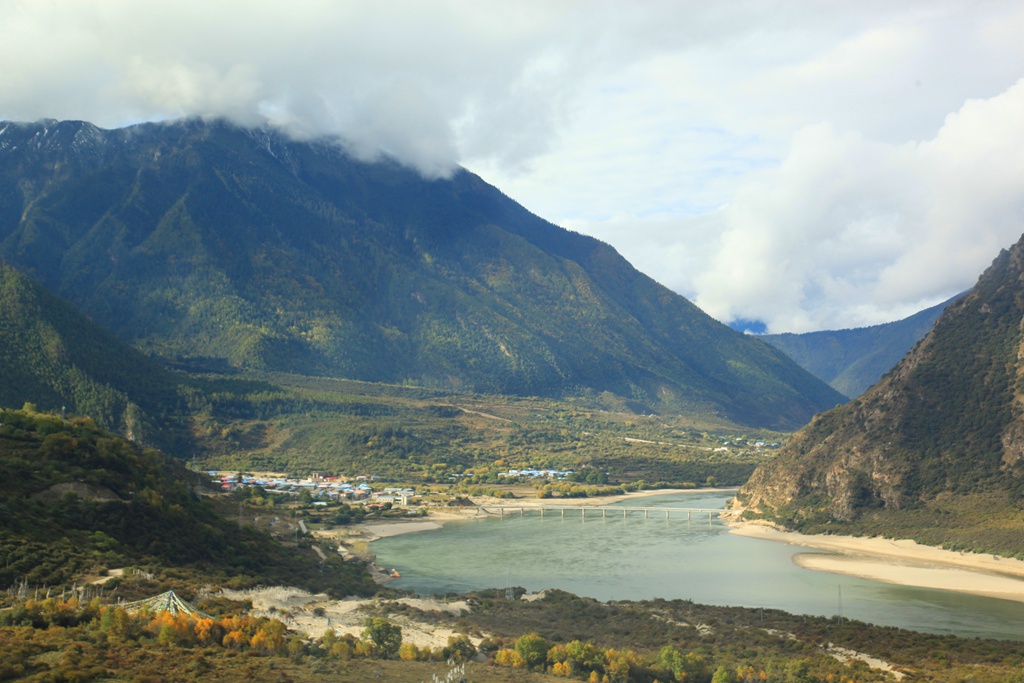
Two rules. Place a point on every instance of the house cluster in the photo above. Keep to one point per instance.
(536, 474)
(320, 488)
(756, 445)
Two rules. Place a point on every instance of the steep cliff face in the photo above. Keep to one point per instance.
(946, 422)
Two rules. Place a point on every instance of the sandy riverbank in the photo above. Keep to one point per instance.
(902, 562)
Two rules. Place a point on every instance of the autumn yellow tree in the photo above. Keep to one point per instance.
(204, 631)
(408, 652)
(507, 657)
(269, 637)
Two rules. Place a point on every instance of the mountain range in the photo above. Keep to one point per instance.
(935, 449)
(852, 360)
(213, 247)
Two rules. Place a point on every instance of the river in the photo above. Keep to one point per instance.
(636, 559)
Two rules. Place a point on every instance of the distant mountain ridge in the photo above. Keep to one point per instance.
(203, 242)
(852, 360)
(933, 451)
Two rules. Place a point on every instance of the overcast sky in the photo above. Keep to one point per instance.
(811, 164)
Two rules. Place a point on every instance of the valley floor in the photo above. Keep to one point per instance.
(902, 562)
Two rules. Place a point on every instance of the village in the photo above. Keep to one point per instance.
(320, 489)
(360, 489)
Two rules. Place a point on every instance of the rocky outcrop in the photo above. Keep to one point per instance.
(948, 420)
(79, 489)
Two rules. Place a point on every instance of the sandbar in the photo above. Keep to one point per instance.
(901, 562)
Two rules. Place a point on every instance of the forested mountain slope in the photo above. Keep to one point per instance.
(78, 500)
(54, 357)
(935, 450)
(217, 246)
(852, 360)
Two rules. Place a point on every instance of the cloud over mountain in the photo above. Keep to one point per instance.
(811, 165)
(846, 226)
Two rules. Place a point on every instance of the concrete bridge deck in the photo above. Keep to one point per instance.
(602, 511)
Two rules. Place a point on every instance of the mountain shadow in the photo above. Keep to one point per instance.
(56, 359)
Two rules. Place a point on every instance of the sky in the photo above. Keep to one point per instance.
(806, 164)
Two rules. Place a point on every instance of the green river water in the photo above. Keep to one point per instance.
(634, 559)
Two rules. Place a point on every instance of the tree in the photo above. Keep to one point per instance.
(533, 649)
(204, 630)
(408, 652)
(619, 664)
(798, 671)
(507, 657)
(115, 621)
(688, 667)
(460, 648)
(385, 636)
(269, 637)
(724, 675)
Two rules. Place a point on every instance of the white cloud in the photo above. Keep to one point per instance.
(847, 231)
(809, 164)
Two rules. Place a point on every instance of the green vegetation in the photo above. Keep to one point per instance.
(114, 504)
(298, 424)
(78, 501)
(556, 638)
(214, 247)
(416, 436)
(54, 357)
(980, 523)
(751, 644)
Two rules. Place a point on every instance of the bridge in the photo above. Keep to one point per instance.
(601, 511)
